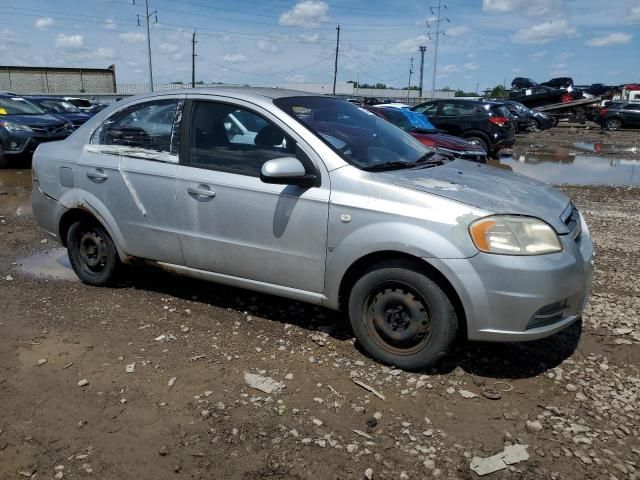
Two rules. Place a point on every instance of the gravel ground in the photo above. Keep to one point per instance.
(147, 380)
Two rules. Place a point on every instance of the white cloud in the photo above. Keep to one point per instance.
(42, 23)
(110, 24)
(307, 13)
(538, 55)
(447, 70)
(266, 46)
(234, 58)
(168, 47)
(69, 41)
(458, 31)
(132, 37)
(309, 37)
(616, 38)
(410, 45)
(634, 15)
(104, 53)
(470, 66)
(545, 32)
(297, 78)
(533, 8)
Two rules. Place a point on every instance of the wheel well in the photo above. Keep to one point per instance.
(363, 264)
(69, 218)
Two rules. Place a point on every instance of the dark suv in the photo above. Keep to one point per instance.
(618, 115)
(484, 123)
(23, 126)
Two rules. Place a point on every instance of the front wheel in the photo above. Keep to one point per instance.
(478, 141)
(401, 317)
(613, 124)
(93, 254)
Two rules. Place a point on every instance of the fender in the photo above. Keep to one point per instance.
(414, 240)
(83, 200)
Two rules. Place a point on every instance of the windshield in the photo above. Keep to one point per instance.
(58, 106)
(80, 102)
(359, 137)
(18, 106)
(408, 120)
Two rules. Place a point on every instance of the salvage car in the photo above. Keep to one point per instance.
(329, 205)
(620, 115)
(23, 126)
(61, 108)
(487, 124)
(419, 126)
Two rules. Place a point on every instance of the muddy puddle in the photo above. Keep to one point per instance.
(53, 264)
(564, 166)
(15, 178)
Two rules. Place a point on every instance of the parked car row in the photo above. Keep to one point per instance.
(26, 122)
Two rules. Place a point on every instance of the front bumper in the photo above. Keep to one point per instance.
(25, 145)
(510, 298)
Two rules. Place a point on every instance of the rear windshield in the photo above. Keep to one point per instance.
(408, 120)
(18, 106)
(358, 136)
(58, 106)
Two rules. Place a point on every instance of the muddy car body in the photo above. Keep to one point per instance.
(328, 205)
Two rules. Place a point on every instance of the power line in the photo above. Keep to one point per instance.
(438, 33)
(359, 69)
(147, 16)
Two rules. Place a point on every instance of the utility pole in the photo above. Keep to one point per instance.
(437, 9)
(409, 84)
(423, 49)
(477, 87)
(193, 60)
(335, 67)
(147, 17)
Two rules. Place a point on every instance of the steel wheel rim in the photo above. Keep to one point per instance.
(92, 252)
(397, 318)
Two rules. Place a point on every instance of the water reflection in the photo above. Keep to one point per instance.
(565, 167)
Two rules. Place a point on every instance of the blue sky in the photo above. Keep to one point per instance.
(270, 42)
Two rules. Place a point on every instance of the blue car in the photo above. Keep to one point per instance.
(62, 108)
(24, 126)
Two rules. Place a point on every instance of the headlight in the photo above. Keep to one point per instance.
(15, 127)
(68, 126)
(514, 235)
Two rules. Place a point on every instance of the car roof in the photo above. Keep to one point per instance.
(41, 97)
(246, 92)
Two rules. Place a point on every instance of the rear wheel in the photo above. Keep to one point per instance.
(92, 253)
(401, 317)
(613, 124)
(478, 141)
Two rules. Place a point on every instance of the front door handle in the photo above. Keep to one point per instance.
(97, 175)
(201, 192)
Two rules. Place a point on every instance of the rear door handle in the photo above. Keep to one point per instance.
(201, 192)
(97, 175)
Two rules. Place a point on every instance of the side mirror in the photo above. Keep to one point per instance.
(286, 171)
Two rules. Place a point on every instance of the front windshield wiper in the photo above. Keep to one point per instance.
(397, 165)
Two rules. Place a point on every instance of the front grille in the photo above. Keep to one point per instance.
(571, 218)
(49, 130)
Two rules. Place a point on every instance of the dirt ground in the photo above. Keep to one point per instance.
(186, 412)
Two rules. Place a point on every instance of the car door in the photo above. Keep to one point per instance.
(631, 115)
(454, 117)
(130, 166)
(232, 222)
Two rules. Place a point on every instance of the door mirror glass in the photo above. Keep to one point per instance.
(286, 171)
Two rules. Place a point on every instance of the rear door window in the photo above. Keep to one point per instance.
(453, 109)
(151, 126)
(429, 109)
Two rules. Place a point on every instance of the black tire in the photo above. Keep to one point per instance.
(555, 122)
(613, 124)
(4, 161)
(478, 141)
(401, 317)
(93, 254)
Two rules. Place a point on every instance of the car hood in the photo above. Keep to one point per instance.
(77, 117)
(45, 120)
(448, 141)
(488, 188)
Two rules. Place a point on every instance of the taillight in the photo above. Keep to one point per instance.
(500, 121)
(603, 112)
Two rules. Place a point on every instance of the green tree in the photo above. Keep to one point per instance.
(498, 92)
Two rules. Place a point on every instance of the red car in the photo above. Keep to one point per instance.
(419, 126)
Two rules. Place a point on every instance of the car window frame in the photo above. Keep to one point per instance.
(303, 150)
(172, 156)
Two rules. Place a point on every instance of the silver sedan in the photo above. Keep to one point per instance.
(312, 198)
